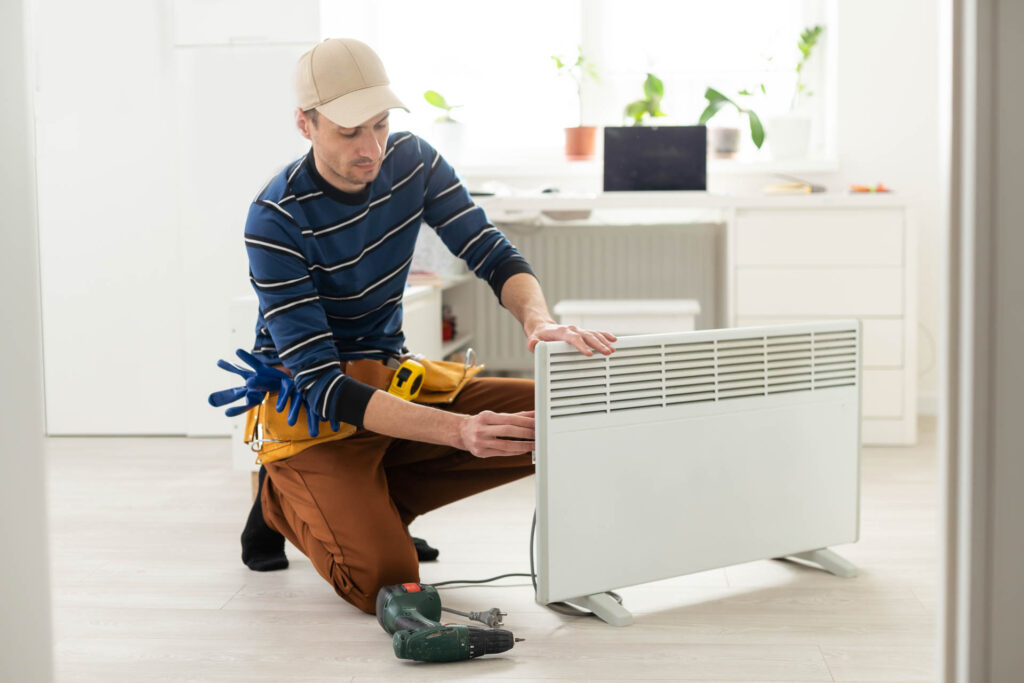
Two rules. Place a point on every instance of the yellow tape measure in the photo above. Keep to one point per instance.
(407, 381)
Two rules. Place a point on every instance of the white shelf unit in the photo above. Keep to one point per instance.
(459, 293)
(457, 344)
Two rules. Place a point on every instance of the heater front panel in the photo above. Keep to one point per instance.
(738, 448)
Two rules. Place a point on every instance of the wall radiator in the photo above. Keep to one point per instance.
(604, 262)
(690, 451)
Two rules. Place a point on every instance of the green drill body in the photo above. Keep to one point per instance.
(411, 612)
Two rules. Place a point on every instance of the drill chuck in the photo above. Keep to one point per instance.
(489, 641)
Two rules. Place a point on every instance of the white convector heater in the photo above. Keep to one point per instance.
(690, 451)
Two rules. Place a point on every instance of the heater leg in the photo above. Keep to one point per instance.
(606, 607)
(830, 562)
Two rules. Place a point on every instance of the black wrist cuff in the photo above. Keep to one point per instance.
(506, 270)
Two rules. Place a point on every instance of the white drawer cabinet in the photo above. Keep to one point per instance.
(795, 265)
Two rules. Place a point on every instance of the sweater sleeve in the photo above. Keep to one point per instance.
(290, 307)
(463, 226)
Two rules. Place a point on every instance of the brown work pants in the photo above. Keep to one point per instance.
(347, 504)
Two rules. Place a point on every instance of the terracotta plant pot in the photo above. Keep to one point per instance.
(580, 143)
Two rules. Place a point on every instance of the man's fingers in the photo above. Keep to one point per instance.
(504, 448)
(523, 419)
(577, 340)
(597, 342)
(510, 432)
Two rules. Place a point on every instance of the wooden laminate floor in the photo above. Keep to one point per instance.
(148, 586)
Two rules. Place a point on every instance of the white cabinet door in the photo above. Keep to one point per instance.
(882, 393)
(851, 292)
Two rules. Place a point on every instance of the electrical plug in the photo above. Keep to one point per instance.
(491, 617)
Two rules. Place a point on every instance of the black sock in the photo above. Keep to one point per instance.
(262, 547)
(423, 551)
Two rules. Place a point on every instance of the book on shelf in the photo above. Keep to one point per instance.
(792, 185)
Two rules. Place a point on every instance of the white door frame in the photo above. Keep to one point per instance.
(981, 418)
(25, 629)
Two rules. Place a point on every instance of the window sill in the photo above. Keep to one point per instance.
(557, 169)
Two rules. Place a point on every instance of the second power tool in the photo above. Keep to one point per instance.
(411, 612)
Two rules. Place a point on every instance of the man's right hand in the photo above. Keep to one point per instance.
(485, 435)
(489, 434)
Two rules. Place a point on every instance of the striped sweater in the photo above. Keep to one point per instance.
(329, 267)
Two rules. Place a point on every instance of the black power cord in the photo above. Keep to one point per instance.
(477, 581)
(560, 607)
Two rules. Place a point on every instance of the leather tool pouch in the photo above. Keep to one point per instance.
(271, 437)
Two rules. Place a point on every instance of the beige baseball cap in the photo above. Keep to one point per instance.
(344, 80)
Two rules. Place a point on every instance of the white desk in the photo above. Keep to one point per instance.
(791, 258)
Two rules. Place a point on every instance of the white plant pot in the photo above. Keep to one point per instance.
(723, 143)
(448, 138)
(788, 136)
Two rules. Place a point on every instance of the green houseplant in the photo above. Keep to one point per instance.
(791, 131)
(437, 99)
(447, 133)
(579, 139)
(724, 142)
(650, 105)
(808, 39)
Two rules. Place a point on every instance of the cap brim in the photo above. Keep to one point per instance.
(356, 108)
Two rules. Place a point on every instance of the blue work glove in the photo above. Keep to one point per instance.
(260, 380)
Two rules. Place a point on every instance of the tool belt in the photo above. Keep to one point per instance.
(270, 436)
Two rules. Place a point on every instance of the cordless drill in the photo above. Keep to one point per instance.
(411, 613)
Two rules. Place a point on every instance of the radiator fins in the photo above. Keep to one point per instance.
(705, 371)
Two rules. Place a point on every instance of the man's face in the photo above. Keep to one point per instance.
(347, 158)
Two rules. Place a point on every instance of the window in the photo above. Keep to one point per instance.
(494, 59)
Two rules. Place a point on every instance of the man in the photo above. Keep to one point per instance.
(330, 241)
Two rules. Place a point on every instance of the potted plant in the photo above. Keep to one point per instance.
(650, 105)
(447, 132)
(791, 132)
(723, 143)
(579, 139)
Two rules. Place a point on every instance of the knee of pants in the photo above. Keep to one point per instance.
(366, 582)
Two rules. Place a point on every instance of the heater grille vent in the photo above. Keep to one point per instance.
(701, 371)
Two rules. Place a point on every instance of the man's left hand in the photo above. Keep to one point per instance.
(587, 341)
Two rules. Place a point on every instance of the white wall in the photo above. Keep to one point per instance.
(25, 632)
(154, 133)
(111, 268)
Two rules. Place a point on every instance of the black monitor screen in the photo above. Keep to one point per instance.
(655, 158)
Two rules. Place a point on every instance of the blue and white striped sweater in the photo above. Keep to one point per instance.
(330, 268)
